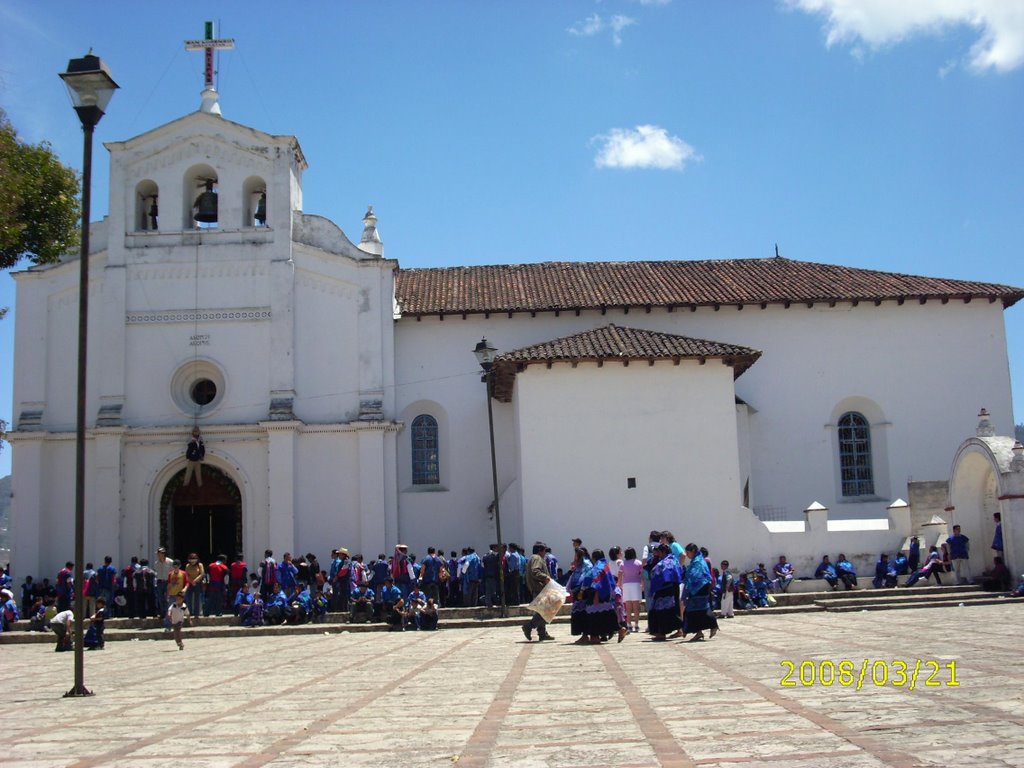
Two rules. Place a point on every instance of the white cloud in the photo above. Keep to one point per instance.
(999, 23)
(653, 2)
(646, 146)
(589, 27)
(595, 25)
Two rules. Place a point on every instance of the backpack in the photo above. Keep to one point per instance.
(269, 572)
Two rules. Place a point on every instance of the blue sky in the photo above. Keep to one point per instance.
(871, 134)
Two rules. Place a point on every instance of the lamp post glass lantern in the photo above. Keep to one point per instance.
(485, 355)
(90, 88)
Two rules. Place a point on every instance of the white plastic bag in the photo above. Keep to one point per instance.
(549, 601)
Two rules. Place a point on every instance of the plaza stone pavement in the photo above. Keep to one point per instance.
(482, 697)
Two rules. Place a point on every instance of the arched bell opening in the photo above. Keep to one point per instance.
(205, 519)
(254, 202)
(201, 190)
(147, 211)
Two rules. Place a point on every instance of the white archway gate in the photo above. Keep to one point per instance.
(988, 477)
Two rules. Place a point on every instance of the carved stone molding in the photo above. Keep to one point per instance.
(190, 315)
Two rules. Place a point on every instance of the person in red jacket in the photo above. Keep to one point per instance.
(216, 584)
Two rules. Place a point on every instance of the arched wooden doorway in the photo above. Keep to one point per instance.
(206, 520)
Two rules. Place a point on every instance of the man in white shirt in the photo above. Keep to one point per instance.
(61, 626)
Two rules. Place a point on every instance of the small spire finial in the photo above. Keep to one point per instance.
(370, 242)
(776, 250)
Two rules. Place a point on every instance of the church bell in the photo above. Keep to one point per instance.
(205, 207)
(261, 210)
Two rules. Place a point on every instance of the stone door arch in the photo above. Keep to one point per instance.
(206, 520)
(987, 478)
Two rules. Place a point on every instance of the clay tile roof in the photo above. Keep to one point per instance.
(562, 286)
(615, 343)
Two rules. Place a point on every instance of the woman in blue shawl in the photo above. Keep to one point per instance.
(666, 576)
(580, 578)
(601, 621)
(698, 615)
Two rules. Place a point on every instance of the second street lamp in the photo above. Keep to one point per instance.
(90, 87)
(485, 355)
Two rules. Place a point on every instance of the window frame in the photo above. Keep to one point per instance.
(425, 451)
(856, 460)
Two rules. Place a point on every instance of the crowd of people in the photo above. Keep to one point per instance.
(680, 587)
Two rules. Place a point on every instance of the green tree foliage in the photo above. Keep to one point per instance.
(39, 203)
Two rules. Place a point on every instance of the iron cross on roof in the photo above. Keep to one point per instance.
(207, 45)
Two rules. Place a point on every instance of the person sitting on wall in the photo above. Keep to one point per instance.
(392, 604)
(827, 571)
(783, 574)
(195, 452)
(931, 567)
(744, 588)
(243, 601)
(885, 573)
(846, 572)
(276, 610)
(361, 604)
(300, 605)
(997, 578)
(428, 616)
(900, 564)
(414, 604)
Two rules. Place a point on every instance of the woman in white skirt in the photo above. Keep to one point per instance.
(632, 578)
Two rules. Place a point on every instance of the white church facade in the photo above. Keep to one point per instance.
(341, 405)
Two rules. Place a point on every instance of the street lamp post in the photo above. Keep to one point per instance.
(485, 355)
(90, 87)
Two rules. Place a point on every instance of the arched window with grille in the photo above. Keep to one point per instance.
(855, 455)
(426, 465)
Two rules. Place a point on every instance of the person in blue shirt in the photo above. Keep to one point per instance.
(697, 581)
(287, 573)
(885, 573)
(300, 605)
(105, 577)
(93, 640)
(827, 571)
(900, 564)
(430, 573)
(959, 554)
(361, 604)
(783, 574)
(9, 612)
(914, 554)
(997, 538)
(415, 603)
(846, 572)
(472, 572)
(514, 565)
(276, 606)
(759, 589)
(392, 603)
(243, 600)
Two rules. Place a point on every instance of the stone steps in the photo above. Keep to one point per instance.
(987, 598)
(879, 597)
(803, 598)
(461, 618)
